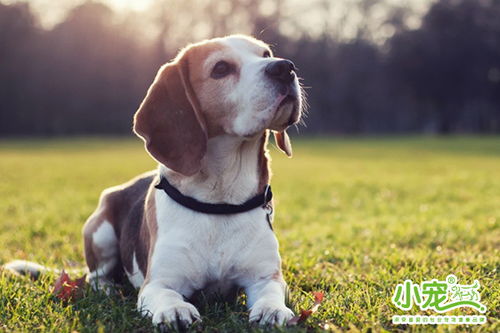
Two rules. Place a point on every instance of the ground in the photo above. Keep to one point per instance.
(354, 218)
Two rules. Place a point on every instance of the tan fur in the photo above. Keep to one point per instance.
(209, 92)
(283, 142)
(170, 122)
(263, 162)
(151, 225)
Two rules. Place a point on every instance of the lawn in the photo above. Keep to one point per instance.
(355, 217)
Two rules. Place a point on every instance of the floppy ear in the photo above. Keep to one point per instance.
(283, 142)
(169, 120)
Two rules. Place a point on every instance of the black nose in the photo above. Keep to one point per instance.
(281, 70)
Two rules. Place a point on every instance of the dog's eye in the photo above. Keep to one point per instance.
(221, 69)
(266, 54)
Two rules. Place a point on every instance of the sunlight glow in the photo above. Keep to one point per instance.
(135, 5)
(340, 19)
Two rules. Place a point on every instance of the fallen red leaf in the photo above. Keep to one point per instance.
(304, 314)
(318, 297)
(67, 289)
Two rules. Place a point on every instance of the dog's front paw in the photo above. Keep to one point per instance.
(270, 314)
(181, 314)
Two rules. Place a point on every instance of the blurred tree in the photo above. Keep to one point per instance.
(448, 64)
(19, 41)
(89, 73)
(83, 76)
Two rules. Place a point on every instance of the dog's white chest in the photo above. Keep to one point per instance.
(213, 253)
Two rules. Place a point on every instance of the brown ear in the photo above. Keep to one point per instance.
(169, 120)
(283, 142)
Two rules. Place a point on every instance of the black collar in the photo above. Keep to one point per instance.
(260, 200)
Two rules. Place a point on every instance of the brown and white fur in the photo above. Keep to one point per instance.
(206, 120)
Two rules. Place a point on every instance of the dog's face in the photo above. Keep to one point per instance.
(243, 89)
(230, 85)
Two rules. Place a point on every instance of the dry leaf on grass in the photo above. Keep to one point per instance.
(67, 289)
(304, 314)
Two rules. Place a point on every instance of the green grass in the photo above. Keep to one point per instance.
(355, 217)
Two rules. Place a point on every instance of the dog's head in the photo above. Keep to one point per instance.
(232, 85)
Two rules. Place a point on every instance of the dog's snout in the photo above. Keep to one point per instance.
(281, 70)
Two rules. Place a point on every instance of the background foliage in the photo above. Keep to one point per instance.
(380, 74)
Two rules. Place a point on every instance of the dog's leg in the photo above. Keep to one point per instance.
(165, 305)
(101, 251)
(266, 301)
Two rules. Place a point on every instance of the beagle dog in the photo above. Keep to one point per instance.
(201, 221)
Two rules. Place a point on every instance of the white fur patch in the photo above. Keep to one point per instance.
(103, 237)
(105, 240)
(135, 277)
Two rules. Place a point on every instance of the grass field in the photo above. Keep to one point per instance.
(355, 217)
